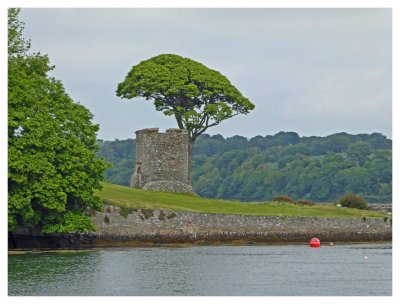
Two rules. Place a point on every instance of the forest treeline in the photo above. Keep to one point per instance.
(320, 169)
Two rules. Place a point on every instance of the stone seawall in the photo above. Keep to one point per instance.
(117, 224)
(124, 227)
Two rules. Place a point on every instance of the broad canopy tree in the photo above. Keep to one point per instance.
(52, 166)
(198, 97)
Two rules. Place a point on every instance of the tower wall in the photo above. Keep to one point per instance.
(162, 161)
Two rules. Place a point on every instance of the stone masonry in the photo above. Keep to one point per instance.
(125, 224)
(162, 161)
(116, 226)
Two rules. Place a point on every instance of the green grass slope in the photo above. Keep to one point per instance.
(135, 198)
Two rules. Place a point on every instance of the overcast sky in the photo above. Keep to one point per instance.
(312, 71)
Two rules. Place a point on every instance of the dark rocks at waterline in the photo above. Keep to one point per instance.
(51, 241)
(82, 241)
(241, 237)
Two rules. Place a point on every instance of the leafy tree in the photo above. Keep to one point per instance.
(236, 143)
(52, 169)
(286, 138)
(358, 152)
(379, 141)
(205, 144)
(121, 155)
(380, 165)
(195, 95)
(263, 167)
(332, 143)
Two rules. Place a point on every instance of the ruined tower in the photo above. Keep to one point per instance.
(162, 161)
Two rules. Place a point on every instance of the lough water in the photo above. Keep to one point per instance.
(284, 270)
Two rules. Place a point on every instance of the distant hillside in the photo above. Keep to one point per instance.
(315, 168)
(121, 154)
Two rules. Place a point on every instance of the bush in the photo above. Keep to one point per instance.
(171, 216)
(162, 215)
(125, 211)
(353, 201)
(147, 213)
(284, 198)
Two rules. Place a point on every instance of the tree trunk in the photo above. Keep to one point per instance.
(178, 118)
(190, 157)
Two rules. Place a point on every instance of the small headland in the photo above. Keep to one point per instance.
(133, 217)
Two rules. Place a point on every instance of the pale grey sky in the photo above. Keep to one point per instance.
(312, 71)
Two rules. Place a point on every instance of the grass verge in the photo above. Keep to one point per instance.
(134, 198)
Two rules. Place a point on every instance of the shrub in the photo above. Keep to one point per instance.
(147, 213)
(171, 216)
(284, 198)
(305, 203)
(161, 216)
(353, 201)
(125, 211)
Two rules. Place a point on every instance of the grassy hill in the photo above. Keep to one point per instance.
(135, 198)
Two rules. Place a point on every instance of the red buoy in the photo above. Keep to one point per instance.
(314, 242)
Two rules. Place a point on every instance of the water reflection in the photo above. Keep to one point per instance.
(209, 270)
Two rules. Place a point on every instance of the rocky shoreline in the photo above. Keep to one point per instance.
(92, 240)
(129, 227)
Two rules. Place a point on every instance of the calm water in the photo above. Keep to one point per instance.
(210, 270)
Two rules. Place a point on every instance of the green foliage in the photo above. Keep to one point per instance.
(283, 198)
(263, 167)
(353, 201)
(121, 155)
(195, 95)
(52, 166)
(147, 213)
(17, 45)
(125, 211)
(72, 221)
(359, 152)
(308, 170)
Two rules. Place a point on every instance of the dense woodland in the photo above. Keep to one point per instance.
(320, 169)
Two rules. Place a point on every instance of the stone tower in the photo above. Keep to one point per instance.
(162, 161)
